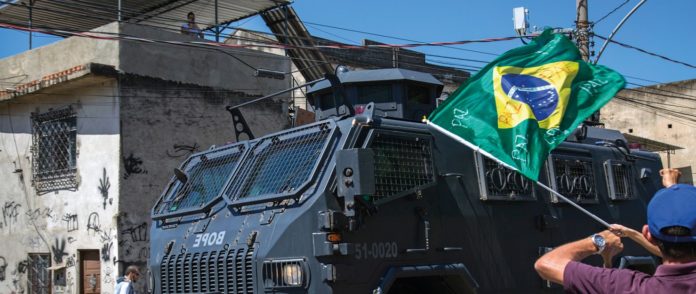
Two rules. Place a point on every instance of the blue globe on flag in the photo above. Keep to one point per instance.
(539, 94)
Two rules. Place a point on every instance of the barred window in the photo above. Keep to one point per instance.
(54, 162)
(39, 278)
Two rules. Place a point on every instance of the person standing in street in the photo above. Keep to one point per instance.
(671, 228)
(125, 285)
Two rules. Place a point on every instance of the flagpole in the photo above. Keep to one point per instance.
(483, 152)
(599, 220)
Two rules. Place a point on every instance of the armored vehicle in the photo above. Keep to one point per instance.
(370, 200)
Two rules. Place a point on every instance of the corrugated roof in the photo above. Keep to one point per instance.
(288, 28)
(649, 144)
(85, 15)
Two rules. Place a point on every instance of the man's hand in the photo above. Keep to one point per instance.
(636, 236)
(612, 247)
(552, 265)
(670, 176)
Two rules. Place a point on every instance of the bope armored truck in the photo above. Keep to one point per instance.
(368, 199)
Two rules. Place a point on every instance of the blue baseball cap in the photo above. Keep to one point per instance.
(673, 206)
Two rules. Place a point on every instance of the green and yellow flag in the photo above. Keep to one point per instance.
(526, 102)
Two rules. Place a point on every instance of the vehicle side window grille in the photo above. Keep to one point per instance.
(498, 182)
(619, 177)
(54, 150)
(402, 164)
(573, 178)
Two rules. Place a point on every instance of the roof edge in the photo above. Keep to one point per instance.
(56, 78)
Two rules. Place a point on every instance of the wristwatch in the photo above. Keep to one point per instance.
(598, 242)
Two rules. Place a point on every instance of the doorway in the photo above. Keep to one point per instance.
(90, 272)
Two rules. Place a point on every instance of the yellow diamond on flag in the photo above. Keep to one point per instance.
(539, 93)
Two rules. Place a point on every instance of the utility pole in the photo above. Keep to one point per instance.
(583, 32)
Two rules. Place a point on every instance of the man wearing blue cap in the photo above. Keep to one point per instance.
(671, 227)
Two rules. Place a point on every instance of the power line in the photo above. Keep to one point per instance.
(396, 38)
(611, 12)
(670, 94)
(672, 113)
(647, 52)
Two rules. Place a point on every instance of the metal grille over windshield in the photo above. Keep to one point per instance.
(401, 164)
(281, 164)
(207, 174)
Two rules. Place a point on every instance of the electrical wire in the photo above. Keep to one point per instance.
(647, 52)
(396, 38)
(217, 46)
(686, 118)
(102, 16)
(611, 12)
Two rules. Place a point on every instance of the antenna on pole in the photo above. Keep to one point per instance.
(520, 19)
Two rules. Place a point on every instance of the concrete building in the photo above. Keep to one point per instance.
(90, 131)
(659, 118)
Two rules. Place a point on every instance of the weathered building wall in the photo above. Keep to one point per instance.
(164, 122)
(60, 223)
(650, 112)
(224, 68)
(35, 64)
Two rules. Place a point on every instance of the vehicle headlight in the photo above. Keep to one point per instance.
(292, 275)
(285, 273)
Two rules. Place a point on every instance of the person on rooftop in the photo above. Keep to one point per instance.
(671, 228)
(190, 27)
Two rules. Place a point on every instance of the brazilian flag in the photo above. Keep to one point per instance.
(526, 102)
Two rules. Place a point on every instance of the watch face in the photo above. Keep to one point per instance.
(599, 240)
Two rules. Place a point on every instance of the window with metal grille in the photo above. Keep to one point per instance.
(619, 177)
(207, 173)
(281, 165)
(38, 276)
(54, 164)
(498, 182)
(403, 164)
(573, 178)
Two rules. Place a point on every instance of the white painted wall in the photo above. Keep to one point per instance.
(34, 223)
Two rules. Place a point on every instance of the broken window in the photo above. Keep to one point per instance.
(54, 161)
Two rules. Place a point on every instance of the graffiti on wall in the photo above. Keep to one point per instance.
(137, 233)
(10, 211)
(106, 251)
(132, 165)
(58, 250)
(38, 213)
(70, 220)
(104, 186)
(108, 272)
(182, 150)
(3, 267)
(93, 225)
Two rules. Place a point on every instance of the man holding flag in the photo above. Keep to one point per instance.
(671, 227)
(523, 105)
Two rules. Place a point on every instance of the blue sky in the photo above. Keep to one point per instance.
(663, 27)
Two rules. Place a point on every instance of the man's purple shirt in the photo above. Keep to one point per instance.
(582, 278)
